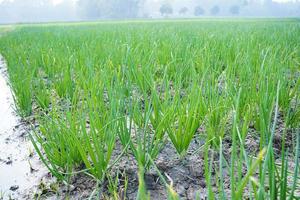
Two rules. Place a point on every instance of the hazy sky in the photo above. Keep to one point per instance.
(25, 10)
(283, 1)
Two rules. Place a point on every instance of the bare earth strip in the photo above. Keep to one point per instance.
(20, 167)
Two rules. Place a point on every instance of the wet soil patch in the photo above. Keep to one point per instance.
(20, 167)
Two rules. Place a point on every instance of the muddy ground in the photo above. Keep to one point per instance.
(187, 175)
(20, 167)
(23, 175)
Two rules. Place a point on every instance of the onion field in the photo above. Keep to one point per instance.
(162, 109)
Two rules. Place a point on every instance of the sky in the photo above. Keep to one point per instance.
(281, 1)
(31, 11)
(56, 2)
(59, 1)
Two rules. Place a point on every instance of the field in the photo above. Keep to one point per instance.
(182, 109)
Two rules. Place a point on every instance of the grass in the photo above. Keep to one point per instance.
(147, 83)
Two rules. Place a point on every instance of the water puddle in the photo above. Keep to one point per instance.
(20, 168)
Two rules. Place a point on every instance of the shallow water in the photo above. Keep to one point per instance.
(17, 179)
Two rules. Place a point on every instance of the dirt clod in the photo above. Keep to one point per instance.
(14, 188)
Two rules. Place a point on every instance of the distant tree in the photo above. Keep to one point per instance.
(199, 11)
(245, 3)
(215, 10)
(146, 15)
(109, 8)
(235, 10)
(166, 9)
(124, 8)
(183, 10)
(91, 9)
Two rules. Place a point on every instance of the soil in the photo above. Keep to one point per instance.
(20, 168)
(23, 175)
(186, 175)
